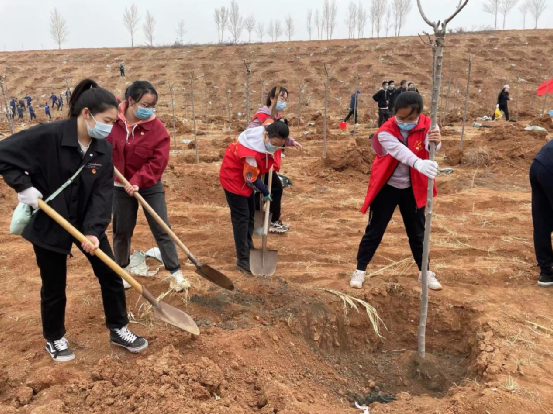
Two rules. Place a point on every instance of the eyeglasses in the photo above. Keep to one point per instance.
(146, 105)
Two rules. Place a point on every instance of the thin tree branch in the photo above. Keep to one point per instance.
(428, 22)
(459, 8)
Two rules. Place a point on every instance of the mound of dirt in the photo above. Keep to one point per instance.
(544, 121)
(351, 158)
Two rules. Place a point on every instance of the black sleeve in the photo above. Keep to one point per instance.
(376, 96)
(19, 154)
(98, 213)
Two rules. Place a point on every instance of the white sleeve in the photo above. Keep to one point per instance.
(391, 145)
(427, 143)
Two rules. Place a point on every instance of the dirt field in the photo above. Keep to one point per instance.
(281, 344)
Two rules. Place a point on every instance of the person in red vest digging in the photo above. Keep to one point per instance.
(245, 161)
(399, 176)
(260, 118)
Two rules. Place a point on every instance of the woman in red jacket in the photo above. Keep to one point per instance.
(245, 161)
(141, 153)
(399, 176)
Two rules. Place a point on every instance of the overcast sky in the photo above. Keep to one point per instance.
(24, 24)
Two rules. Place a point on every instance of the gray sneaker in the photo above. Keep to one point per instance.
(59, 350)
(126, 339)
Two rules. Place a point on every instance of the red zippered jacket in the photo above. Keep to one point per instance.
(141, 150)
(383, 166)
(231, 174)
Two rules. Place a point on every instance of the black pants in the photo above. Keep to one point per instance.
(383, 115)
(53, 272)
(351, 112)
(541, 181)
(276, 194)
(122, 72)
(242, 211)
(505, 110)
(33, 116)
(125, 209)
(380, 214)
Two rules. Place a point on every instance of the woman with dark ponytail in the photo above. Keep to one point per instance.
(73, 156)
(141, 147)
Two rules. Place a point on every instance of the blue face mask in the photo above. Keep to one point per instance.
(281, 106)
(144, 113)
(100, 130)
(407, 126)
(271, 149)
(386, 87)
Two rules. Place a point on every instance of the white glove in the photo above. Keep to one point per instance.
(427, 167)
(30, 197)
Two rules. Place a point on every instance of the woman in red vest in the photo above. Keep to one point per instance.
(399, 176)
(141, 147)
(245, 161)
(263, 114)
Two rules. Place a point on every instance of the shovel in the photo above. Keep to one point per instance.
(162, 311)
(264, 262)
(205, 271)
(259, 219)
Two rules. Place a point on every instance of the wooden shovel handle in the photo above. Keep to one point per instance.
(156, 217)
(80, 237)
(268, 205)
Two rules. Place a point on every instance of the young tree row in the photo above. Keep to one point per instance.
(503, 7)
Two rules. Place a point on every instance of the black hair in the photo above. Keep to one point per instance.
(88, 94)
(138, 89)
(384, 83)
(410, 100)
(272, 94)
(278, 130)
(403, 81)
(391, 81)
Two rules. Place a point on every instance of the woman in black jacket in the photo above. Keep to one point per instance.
(502, 100)
(38, 161)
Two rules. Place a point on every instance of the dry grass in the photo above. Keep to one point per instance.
(352, 302)
(479, 156)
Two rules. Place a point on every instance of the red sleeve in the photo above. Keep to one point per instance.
(153, 169)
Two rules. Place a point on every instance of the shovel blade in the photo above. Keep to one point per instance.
(259, 222)
(263, 262)
(170, 314)
(213, 275)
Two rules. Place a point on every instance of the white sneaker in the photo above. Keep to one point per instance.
(431, 280)
(357, 279)
(179, 282)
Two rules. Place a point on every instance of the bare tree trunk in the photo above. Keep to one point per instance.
(544, 97)
(299, 107)
(171, 89)
(228, 106)
(262, 94)
(248, 72)
(196, 146)
(518, 96)
(9, 114)
(466, 101)
(326, 106)
(448, 92)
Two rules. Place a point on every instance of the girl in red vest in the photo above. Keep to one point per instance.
(263, 114)
(245, 161)
(141, 153)
(399, 176)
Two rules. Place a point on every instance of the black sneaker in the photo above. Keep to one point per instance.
(244, 269)
(59, 350)
(545, 280)
(278, 227)
(126, 339)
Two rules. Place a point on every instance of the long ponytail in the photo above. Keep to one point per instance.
(88, 94)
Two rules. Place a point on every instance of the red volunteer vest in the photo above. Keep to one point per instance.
(231, 174)
(383, 166)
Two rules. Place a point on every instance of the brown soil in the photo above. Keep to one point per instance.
(280, 344)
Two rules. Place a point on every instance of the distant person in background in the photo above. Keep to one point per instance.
(54, 99)
(60, 102)
(29, 100)
(13, 104)
(20, 113)
(22, 104)
(47, 110)
(502, 100)
(411, 87)
(391, 97)
(32, 114)
(67, 94)
(122, 69)
(353, 104)
(541, 181)
(381, 97)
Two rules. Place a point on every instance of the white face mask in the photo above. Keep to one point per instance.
(100, 130)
